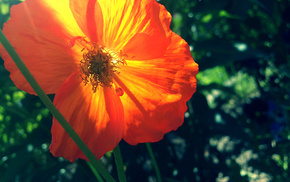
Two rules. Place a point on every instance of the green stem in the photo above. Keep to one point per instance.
(97, 175)
(55, 112)
(119, 164)
(154, 162)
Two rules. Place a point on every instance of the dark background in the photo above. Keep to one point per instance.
(237, 124)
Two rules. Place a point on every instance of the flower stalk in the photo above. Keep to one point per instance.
(119, 164)
(95, 172)
(154, 162)
(55, 112)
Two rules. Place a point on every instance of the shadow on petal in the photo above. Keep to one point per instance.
(98, 118)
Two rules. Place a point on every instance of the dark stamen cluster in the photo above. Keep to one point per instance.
(97, 67)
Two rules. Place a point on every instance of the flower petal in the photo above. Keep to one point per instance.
(150, 34)
(156, 92)
(138, 27)
(88, 15)
(40, 32)
(98, 118)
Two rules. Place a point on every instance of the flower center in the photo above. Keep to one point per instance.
(98, 66)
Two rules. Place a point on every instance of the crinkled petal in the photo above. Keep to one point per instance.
(98, 118)
(138, 27)
(40, 31)
(88, 15)
(156, 92)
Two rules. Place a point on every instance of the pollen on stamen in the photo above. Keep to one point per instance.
(98, 66)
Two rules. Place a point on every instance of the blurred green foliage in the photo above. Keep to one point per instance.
(4, 9)
(237, 124)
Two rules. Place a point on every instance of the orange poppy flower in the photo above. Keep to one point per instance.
(116, 68)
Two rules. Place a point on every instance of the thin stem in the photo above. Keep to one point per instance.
(97, 175)
(119, 164)
(154, 162)
(130, 95)
(55, 112)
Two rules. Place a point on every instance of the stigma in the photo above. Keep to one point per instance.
(98, 65)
